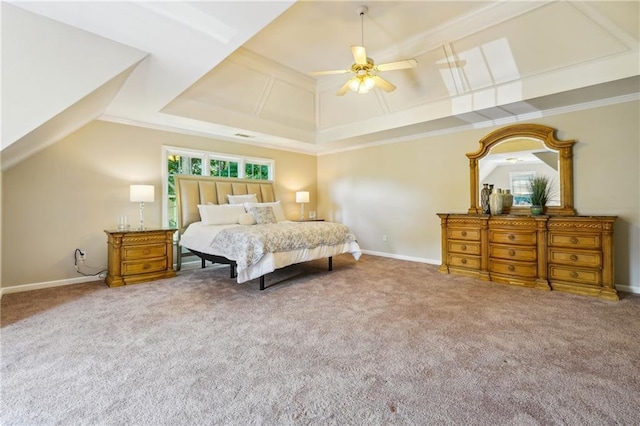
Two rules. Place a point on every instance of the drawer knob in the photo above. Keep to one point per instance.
(573, 257)
(146, 266)
(511, 268)
(574, 274)
(147, 251)
(463, 247)
(464, 261)
(574, 240)
(464, 233)
(512, 252)
(511, 237)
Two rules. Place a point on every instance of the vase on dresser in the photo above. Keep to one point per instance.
(485, 193)
(495, 201)
(507, 201)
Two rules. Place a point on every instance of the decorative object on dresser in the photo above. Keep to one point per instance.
(496, 201)
(540, 189)
(139, 256)
(507, 201)
(484, 198)
(554, 251)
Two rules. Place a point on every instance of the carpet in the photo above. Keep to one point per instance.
(374, 342)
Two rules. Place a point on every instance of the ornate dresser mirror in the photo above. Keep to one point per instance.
(514, 154)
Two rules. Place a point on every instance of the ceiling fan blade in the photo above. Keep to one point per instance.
(400, 65)
(329, 72)
(343, 89)
(383, 84)
(359, 55)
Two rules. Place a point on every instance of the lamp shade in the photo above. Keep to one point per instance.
(302, 197)
(141, 193)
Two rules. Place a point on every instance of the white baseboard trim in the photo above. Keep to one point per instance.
(402, 257)
(628, 289)
(47, 284)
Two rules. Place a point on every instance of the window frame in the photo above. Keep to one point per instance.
(206, 157)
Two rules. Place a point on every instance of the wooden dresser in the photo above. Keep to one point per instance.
(572, 253)
(139, 256)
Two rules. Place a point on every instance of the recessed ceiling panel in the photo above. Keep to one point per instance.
(548, 38)
(230, 85)
(289, 105)
(431, 80)
(352, 107)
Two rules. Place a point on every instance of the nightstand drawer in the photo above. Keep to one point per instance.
(567, 273)
(584, 241)
(513, 252)
(142, 267)
(464, 247)
(512, 237)
(144, 252)
(588, 259)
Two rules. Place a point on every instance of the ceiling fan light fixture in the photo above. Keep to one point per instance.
(362, 83)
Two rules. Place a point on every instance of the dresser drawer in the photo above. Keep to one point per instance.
(464, 247)
(582, 241)
(144, 266)
(527, 238)
(462, 261)
(521, 253)
(520, 269)
(578, 275)
(147, 251)
(464, 234)
(587, 259)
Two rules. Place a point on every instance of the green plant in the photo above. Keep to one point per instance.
(540, 189)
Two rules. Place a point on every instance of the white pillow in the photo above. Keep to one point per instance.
(239, 199)
(246, 219)
(277, 209)
(223, 214)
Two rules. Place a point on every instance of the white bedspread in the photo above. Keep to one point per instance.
(323, 240)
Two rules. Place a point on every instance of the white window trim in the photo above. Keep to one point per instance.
(206, 156)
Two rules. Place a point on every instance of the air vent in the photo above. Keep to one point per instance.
(242, 135)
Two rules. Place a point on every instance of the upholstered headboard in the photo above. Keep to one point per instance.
(193, 190)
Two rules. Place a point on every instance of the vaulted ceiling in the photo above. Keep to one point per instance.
(239, 71)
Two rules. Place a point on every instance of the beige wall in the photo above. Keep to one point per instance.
(65, 196)
(397, 189)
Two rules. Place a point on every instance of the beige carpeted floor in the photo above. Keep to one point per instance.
(375, 342)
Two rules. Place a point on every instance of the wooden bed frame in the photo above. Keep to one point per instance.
(193, 190)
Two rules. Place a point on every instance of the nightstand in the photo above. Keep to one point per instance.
(138, 256)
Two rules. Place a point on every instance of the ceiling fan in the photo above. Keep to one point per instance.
(365, 70)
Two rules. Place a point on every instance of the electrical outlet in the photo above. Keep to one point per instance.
(384, 238)
(83, 256)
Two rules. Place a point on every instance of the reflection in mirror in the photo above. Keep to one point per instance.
(511, 164)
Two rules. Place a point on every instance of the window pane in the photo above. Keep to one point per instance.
(196, 166)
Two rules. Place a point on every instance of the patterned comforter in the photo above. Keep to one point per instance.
(247, 244)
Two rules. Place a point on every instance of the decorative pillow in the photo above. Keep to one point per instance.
(223, 214)
(263, 214)
(277, 209)
(239, 199)
(246, 219)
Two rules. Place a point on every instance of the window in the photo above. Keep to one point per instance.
(520, 187)
(192, 162)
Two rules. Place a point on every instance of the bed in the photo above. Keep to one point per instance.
(240, 223)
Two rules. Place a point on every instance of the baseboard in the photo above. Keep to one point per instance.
(402, 257)
(48, 284)
(628, 289)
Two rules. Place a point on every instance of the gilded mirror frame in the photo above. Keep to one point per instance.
(535, 131)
